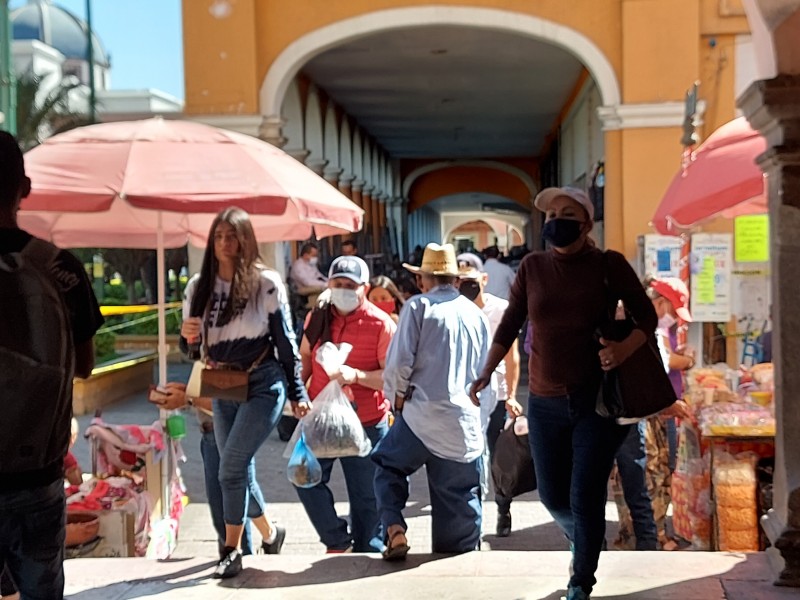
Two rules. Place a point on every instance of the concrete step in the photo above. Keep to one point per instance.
(492, 575)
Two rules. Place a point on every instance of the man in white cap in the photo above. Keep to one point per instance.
(348, 318)
(472, 284)
(438, 350)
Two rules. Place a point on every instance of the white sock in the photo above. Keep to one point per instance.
(273, 534)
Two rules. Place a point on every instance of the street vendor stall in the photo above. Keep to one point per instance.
(718, 489)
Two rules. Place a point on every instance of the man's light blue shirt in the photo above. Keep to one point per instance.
(439, 349)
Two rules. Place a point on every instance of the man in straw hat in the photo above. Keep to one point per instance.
(439, 349)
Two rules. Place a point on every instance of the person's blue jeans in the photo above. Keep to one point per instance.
(632, 465)
(240, 430)
(210, 454)
(454, 489)
(32, 535)
(359, 473)
(573, 452)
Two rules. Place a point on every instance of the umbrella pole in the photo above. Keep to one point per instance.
(163, 349)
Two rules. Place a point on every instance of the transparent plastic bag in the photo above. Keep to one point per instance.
(304, 469)
(332, 428)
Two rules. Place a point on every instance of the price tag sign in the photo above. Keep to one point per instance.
(706, 282)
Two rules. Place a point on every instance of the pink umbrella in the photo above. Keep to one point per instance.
(722, 177)
(118, 176)
(158, 183)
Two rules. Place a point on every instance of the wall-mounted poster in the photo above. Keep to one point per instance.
(662, 255)
(711, 265)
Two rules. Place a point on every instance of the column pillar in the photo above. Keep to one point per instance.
(317, 165)
(366, 204)
(771, 107)
(346, 185)
(270, 130)
(331, 175)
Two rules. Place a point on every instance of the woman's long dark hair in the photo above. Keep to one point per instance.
(245, 276)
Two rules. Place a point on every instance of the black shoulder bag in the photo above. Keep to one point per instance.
(639, 387)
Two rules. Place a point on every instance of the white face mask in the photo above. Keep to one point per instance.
(345, 300)
(666, 322)
(313, 261)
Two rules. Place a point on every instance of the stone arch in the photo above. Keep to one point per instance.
(526, 179)
(303, 49)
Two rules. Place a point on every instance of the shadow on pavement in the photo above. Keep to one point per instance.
(342, 568)
(149, 586)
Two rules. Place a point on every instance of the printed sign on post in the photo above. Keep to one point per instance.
(662, 255)
(751, 238)
(706, 285)
(711, 265)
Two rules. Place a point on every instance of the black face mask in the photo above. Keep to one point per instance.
(470, 289)
(562, 232)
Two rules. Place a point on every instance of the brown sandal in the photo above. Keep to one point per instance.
(396, 552)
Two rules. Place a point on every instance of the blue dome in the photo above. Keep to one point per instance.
(52, 25)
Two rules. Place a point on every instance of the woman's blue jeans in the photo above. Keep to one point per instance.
(573, 452)
(241, 429)
(359, 473)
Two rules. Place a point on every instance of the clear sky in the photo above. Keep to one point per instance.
(143, 38)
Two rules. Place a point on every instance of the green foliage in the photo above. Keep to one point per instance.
(104, 346)
(48, 116)
(145, 323)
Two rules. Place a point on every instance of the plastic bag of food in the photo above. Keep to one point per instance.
(304, 469)
(332, 428)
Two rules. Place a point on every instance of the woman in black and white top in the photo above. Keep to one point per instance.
(241, 307)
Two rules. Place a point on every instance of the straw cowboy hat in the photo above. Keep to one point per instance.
(437, 260)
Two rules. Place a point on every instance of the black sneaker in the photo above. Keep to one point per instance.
(503, 524)
(275, 547)
(230, 566)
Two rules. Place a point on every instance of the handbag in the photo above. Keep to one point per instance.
(512, 465)
(640, 386)
(226, 383)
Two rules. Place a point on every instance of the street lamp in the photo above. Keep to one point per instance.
(90, 58)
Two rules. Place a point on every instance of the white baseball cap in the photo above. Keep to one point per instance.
(546, 196)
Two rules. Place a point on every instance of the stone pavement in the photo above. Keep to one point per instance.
(484, 575)
(530, 564)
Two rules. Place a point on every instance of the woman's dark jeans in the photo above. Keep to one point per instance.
(573, 452)
(240, 430)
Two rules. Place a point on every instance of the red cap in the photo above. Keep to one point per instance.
(674, 290)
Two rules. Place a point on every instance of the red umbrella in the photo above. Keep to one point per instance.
(722, 177)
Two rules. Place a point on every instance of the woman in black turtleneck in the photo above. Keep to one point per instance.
(562, 291)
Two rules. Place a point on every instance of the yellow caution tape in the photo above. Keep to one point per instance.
(110, 311)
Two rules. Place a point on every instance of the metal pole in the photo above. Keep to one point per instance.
(8, 83)
(90, 58)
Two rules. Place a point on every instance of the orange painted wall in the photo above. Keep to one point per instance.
(220, 59)
(658, 68)
(456, 180)
(269, 26)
